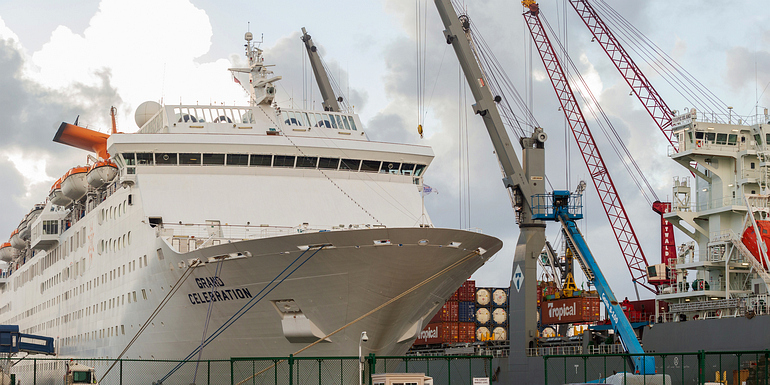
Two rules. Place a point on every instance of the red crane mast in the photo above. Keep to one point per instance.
(647, 95)
(611, 202)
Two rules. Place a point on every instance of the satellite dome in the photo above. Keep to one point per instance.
(249, 36)
(145, 111)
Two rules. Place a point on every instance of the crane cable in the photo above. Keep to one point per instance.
(378, 308)
(604, 123)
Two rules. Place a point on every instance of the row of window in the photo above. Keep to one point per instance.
(718, 138)
(311, 119)
(259, 160)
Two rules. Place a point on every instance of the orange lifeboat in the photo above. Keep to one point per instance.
(7, 253)
(749, 239)
(16, 241)
(73, 184)
(101, 173)
(56, 196)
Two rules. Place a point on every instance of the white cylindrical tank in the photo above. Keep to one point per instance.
(74, 185)
(101, 173)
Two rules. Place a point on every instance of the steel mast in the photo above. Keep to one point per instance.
(647, 95)
(327, 93)
(611, 202)
(524, 181)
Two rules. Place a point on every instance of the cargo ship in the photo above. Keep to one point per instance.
(290, 221)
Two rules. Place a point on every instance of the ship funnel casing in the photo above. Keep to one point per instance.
(101, 174)
(74, 185)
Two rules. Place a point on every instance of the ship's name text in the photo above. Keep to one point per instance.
(216, 294)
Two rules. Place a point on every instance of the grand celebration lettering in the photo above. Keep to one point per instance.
(215, 292)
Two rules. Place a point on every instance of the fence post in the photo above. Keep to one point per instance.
(372, 365)
(34, 372)
(585, 368)
(121, 372)
(291, 369)
(545, 367)
(208, 373)
(448, 372)
(319, 371)
(701, 367)
(232, 372)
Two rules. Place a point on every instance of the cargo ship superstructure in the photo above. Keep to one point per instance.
(291, 218)
(719, 280)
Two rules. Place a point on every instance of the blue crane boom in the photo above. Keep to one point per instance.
(565, 207)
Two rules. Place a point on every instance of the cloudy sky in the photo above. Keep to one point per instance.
(60, 62)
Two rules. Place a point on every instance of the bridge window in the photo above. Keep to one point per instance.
(407, 168)
(144, 159)
(51, 227)
(165, 158)
(306, 161)
(237, 160)
(329, 163)
(214, 159)
(370, 165)
(130, 159)
(710, 136)
(732, 140)
(389, 168)
(350, 164)
(190, 158)
(262, 160)
(419, 169)
(283, 161)
(721, 138)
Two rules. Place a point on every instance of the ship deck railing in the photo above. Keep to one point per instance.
(186, 237)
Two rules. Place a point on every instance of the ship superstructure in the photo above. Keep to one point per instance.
(291, 218)
(721, 273)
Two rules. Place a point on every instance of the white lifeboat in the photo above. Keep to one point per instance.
(25, 229)
(7, 252)
(56, 196)
(74, 185)
(16, 241)
(101, 173)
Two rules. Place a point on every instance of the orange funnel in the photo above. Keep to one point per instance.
(83, 138)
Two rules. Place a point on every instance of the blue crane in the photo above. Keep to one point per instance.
(565, 207)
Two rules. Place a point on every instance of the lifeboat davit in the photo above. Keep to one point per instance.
(7, 252)
(56, 196)
(101, 173)
(73, 184)
(749, 240)
(16, 241)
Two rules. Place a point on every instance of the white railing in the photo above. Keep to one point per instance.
(192, 236)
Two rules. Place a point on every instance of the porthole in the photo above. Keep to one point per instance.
(129, 238)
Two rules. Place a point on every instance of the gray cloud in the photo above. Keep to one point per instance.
(31, 114)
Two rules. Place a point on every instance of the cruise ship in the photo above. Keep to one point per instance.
(249, 230)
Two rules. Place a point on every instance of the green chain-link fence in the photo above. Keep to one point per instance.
(446, 370)
(729, 368)
(449, 370)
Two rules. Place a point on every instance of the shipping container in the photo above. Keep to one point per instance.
(570, 310)
(437, 317)
(432, 334)
(467, 292)
(466, 311)
(450, 332)
(500, 296)
(483, 315)
(455, 296)
(466, 332)
(449, 312)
